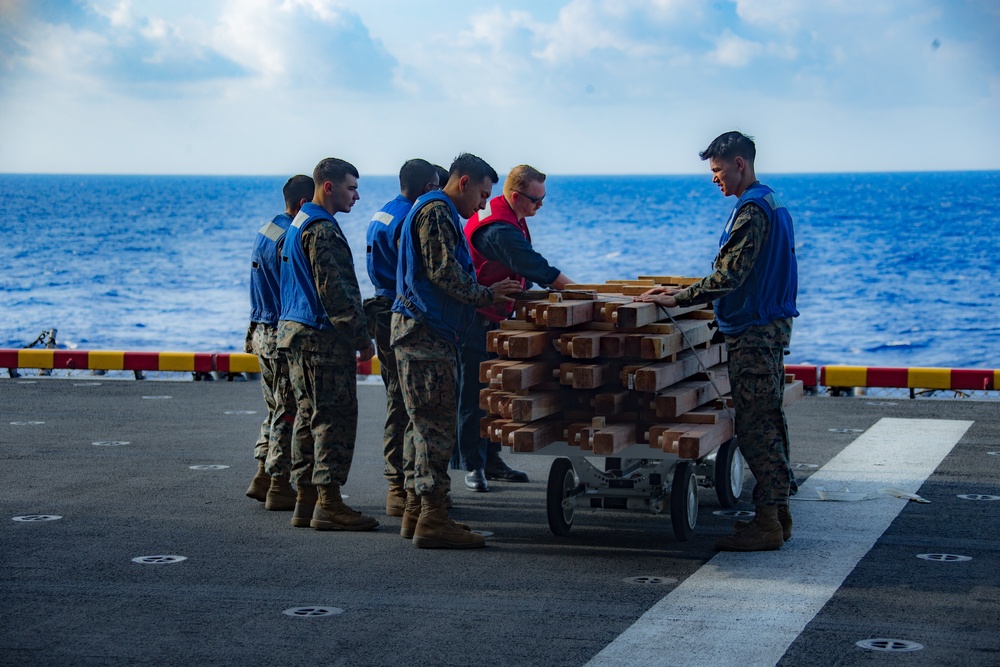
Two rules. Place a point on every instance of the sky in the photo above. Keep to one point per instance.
(570, 86)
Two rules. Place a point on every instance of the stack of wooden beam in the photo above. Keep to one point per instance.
(591, 367)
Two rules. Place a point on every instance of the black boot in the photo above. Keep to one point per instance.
(476, 481)
(499, 471)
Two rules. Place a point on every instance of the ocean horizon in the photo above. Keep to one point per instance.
(895, 268)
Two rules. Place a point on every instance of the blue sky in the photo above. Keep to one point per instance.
(572, 86)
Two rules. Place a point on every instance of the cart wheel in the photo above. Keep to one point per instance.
(684, 501)
(729, 467)
(562, 480)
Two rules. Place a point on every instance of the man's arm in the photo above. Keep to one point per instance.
(505, 244)
(437, 238)
(332, 266)
(734, 261)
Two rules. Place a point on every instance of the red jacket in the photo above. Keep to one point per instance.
(490, 271)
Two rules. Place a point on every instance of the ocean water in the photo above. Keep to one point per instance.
(895, 269)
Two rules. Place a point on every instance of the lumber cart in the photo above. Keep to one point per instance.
(641, 478)
(631, 399)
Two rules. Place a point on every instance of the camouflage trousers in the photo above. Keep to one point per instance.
(757, 375)
(379, 314)
(326, 420)
(274, 444)
(428, 367)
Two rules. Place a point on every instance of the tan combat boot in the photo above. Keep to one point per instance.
(411, 512)
(305, 503)
(260, 483)
(331, 513)
(784, 518)
(395, 502)
(281, 496)
(761, 534)
(435, 530)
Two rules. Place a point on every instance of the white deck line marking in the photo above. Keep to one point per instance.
(747, 608)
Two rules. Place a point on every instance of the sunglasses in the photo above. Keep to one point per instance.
(534, 200)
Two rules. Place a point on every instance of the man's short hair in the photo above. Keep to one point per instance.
(476, 168)
(442, 174)
(730, 145)
(297, 188)
(414, 175)
(334, 170)
(521, 176)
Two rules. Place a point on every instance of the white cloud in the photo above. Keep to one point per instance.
(580, 85)
(734, 51)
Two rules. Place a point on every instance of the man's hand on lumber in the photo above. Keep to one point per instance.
(661, 295)
(502, 289)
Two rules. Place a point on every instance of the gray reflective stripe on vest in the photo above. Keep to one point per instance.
(300, 217)
(487, 210)
(773, 201)
(383, 217)
(271, 231)
(732, 219)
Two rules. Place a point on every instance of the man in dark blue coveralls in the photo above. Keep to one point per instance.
(501, 248)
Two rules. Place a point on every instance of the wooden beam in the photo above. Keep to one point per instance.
(704, 439)
(568, 313)
(525, 375)
(636, 314)
(613, 438)
(532, 437)
(613, 402)
(588, 376)
(654, 377)
(688, 395)
(664, 436)
(582, 344)
(536, 405)
(491, 368)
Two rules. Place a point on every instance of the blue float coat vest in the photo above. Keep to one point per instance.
(265, 271)
(769, 291)
(299, 299)
(382, 237)
(417, 296)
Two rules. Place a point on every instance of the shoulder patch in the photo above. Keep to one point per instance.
(383, 217)
(773, 201)
(300, 218)
(271, 231)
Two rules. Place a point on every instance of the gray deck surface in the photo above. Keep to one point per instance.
(70, 593)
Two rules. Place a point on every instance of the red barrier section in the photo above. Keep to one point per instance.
(888, 377)
(963, 378)
(204, 363)
(8, 358)
(365, 367)
(141, 361)
(70, 359)
(221, 363)
(808, 374)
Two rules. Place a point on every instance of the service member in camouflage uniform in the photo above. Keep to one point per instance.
(437, 293)
(753, 289)
(274, 446)
(416, 177)
(322, 327)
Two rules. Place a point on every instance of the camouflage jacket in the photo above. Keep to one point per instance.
(732, 266)
(332, 265)
(437, 239)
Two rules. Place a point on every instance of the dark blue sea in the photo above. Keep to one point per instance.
(895, 269)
